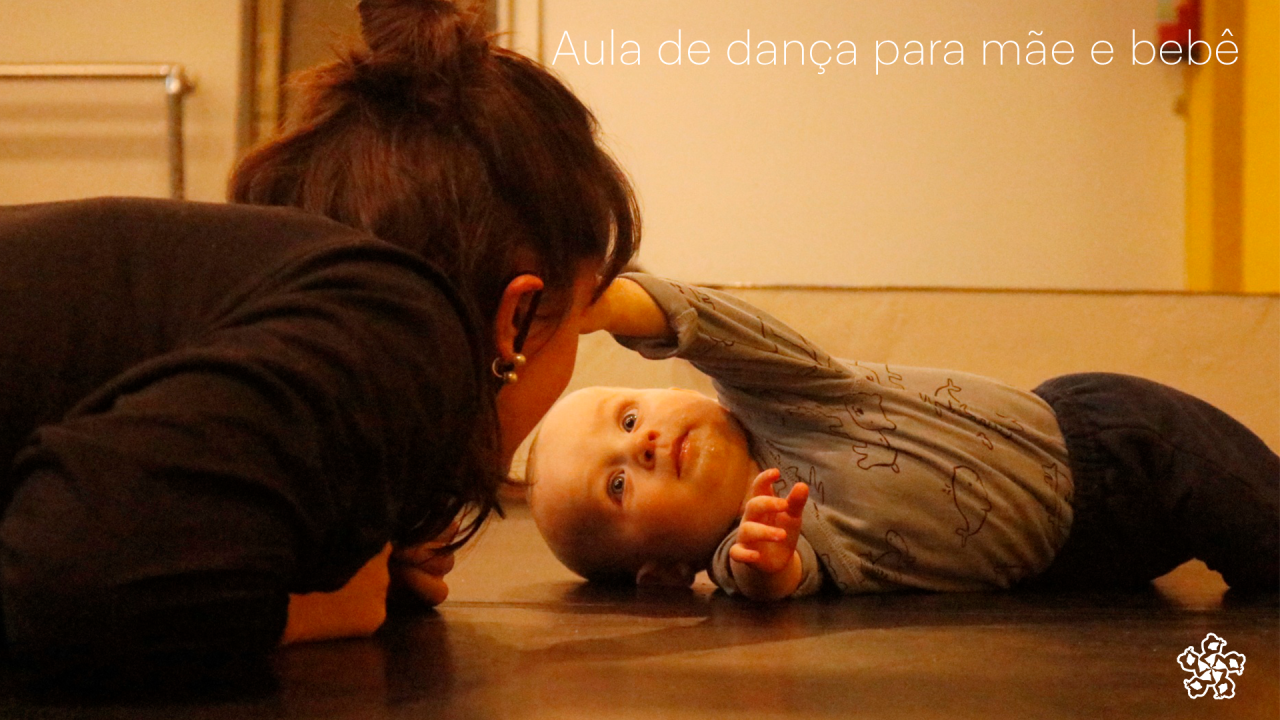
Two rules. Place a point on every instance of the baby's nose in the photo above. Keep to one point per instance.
(648, 447)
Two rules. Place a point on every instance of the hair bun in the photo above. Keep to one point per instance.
(423, 37)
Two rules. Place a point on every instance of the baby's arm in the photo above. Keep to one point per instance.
(764, 560)
(741, 347)
(626, 309)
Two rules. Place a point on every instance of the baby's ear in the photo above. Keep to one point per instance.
(678, 574)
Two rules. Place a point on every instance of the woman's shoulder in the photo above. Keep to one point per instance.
(155, 276)
(196, 262)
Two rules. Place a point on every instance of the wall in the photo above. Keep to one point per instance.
(1023, 176)
(78, 139)
(315, 30)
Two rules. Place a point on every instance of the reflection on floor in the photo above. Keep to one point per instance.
(521, 638)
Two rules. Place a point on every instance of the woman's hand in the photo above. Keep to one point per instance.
(764, 561)
(422, 567)
(625, 309)
(357, 609)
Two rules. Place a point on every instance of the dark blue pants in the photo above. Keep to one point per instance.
(1161, 477)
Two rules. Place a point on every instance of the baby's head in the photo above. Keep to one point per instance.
(638, 484)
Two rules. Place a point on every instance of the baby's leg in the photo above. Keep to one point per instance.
(1161, 477)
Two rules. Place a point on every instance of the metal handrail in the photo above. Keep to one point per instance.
(176, 87)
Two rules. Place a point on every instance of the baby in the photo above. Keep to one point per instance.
(811, 471)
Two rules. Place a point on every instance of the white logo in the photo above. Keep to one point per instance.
(1211, 668)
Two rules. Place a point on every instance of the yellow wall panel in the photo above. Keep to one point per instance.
(1261, 241)
(1233, 153)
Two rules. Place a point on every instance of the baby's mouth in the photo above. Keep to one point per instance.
(677, 453)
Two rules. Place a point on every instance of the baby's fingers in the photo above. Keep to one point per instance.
(762, 486)
(796, 499)
(762, 507)
(754, 532)
(741, 553)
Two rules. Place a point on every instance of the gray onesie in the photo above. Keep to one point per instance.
(919, 478)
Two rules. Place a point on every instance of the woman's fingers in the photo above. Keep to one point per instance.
(431, 588)
(423, 554)
(375, 573)
(437, 564)
(422, 567)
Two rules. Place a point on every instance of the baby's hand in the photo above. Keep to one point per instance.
(599, 314)
(625, 308)
(770, 525)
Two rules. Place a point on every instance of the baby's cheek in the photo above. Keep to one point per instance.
(652, 521)
(688, 520)
(662, 518)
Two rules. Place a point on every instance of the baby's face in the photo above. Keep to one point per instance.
(655, 474)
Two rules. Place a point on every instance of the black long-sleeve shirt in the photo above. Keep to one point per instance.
(204, 408)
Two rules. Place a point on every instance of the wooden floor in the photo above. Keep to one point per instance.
(521, 638)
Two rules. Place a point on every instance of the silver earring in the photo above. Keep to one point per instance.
(505, 370)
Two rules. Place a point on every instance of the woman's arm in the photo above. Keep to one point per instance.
(357, 609)
(168, 520)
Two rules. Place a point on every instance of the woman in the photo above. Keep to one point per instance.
(428, 133)
(223, 455)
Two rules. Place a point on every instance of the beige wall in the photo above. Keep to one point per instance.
(74, 139)
(936, 176)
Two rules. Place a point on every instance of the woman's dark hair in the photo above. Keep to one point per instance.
(432, 138)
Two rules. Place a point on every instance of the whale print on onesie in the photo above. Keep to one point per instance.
(867, 411)
(969, 494)
(889, 564)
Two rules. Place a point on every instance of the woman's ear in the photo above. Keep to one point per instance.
(678, 574)
(513, 309)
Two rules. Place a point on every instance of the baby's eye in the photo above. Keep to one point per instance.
(629, 421)
(617, 484)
